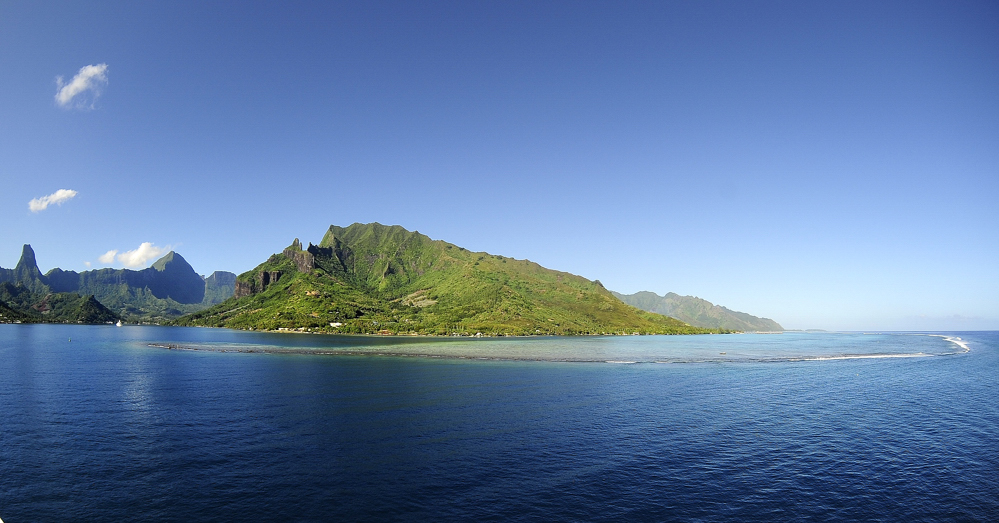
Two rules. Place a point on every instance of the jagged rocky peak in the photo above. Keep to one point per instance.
(305, 261)
(26, 272)
(27, 260)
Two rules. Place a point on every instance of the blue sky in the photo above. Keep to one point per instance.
(826, 164)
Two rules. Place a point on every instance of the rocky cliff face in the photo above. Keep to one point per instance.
(259, 284)
(242, 289)
(219, 286)
(304, 261)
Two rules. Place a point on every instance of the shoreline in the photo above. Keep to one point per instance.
(478, 335)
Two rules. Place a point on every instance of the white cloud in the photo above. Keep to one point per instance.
(87, 264)
(58, 197)
(91, 78)
(141, 256)
(108, 257)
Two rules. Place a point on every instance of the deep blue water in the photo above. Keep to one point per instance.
(106, 428)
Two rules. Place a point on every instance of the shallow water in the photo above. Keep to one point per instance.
(105, 427)
(607, 349)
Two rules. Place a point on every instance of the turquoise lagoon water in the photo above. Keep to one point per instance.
(101, 424)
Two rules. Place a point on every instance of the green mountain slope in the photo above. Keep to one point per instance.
(11, 315)
(699, 312)
(166, 290)
(371, 278)
(20, 303)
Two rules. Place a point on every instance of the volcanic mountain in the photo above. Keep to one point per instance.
(372, 278)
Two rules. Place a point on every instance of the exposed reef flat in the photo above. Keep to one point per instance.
(598, 349)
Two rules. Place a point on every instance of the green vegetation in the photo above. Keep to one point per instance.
(9, 315)
(701, 313)
(19, 304)
(371, 278)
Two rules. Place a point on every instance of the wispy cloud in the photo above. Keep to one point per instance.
(90, 80)
(57, 198)
(140, 257)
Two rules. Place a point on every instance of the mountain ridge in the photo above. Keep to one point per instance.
(699, 312)
(167, 289)
(374, 278)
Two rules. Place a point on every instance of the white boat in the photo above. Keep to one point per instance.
(118, 324)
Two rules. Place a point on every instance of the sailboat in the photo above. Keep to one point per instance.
(118, 324)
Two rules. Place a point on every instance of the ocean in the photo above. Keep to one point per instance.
(185, 424)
